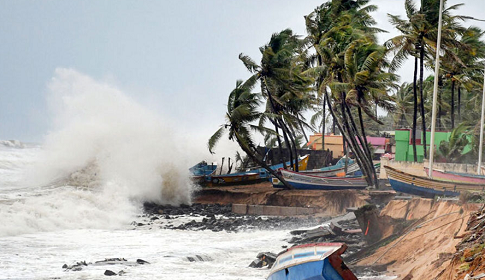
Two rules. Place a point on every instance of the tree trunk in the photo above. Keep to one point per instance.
(273, 108)
(287, 141)
(452, 103)
(222, 165)
(229, 169)
(415, 109)
(359, 154)
(301, 128)
(459, 102)
(295, 149)
(324, 123)
(280, 145)
(421, 104)
(440, 85)
(376, 182)
(366, 159)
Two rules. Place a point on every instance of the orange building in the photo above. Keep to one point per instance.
(334, 143)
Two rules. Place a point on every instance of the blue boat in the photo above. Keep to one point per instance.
(426, 187)
(201, 170)
(312, 262)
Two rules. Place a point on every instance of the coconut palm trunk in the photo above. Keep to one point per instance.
(376, 182)
(421, 104)
(415, 108)
(287, 140)
(459, 102)
(452, 103)
(347, 131)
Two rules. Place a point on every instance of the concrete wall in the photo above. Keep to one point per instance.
(268, 210)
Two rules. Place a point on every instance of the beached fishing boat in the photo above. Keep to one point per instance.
(337, 170)
(303, 181)
(201, 170)
(249, 177)
(312, 261)
(423, 186)
(236, 178)
(456, 176)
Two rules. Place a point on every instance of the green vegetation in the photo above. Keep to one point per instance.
(341, 73)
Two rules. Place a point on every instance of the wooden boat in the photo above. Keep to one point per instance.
(312, 261)
(456, 176)
(303, 181)
(337, 170)
(427, 187)
(237, 178)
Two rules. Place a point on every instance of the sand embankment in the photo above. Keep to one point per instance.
(425, 248)
(428, 231)
(331, 203)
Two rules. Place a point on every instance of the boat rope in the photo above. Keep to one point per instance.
(413, 229)
(438, 227)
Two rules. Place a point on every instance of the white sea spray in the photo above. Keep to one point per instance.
(103, 157)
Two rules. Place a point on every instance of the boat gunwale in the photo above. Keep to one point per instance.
(303, 174)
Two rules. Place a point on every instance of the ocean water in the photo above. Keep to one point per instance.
(45, 227)
(74, 197)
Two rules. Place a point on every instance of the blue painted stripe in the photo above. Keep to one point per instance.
(285, 259)
(302, 255)
(417, 190)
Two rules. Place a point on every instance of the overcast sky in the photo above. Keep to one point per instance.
(176, 58)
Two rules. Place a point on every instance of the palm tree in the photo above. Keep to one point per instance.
(460, 68)
(283, 86)
(366, 84)
(404, 105)
(242, 111)
(349, 22)
(418, 39)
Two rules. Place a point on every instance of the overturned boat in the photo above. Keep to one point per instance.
(312, 261)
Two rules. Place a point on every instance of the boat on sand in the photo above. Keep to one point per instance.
(426, 187)
(303, 181)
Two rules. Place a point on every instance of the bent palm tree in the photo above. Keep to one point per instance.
(241, 112)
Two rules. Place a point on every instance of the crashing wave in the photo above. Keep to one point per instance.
(12, 144)
(87, 177)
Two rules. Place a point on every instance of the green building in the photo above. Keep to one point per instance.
(404, 145)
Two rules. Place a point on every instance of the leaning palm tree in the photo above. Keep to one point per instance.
(343, 33)
(242, 111)
(283, 87)
(366, 84)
